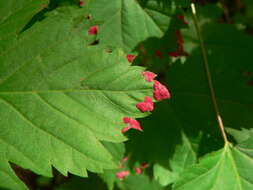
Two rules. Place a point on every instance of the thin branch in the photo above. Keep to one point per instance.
(208, 73)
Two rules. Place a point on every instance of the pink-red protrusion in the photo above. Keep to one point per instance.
(81, 3)
(130, 58)
(132, 124)
(146, 105)
(127, 120)
(180, 46)
(122, 174)
(125, 129)
(160, 91)
(93, 30)
(138, 170)
(149, 76)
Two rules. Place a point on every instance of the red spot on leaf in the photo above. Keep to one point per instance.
(160, 91)
(127, 120)
(181, 17)
(130, 58)
(122, 174)
(81, 3)
(125, 129)
(180, 39)
(132, 124)
(136, 125)
(174, 54)
(137, 170)
(159, 54)
(93, 30)
(149, 76)
(146, 105)
(180, 46)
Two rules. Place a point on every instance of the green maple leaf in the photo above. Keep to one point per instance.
(127, 19)
(60, 97)
(226, 169)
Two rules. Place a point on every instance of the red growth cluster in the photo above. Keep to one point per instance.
(122, 174)
(180, 46)
(132, 124)
(149, 76)
(160, 91)
(130, 58)
(146, 105)
(138, 170)
(81, 3)
(93, 30)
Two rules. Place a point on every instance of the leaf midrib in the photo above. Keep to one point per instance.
(72, 90)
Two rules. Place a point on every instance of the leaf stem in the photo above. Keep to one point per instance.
(208, 73)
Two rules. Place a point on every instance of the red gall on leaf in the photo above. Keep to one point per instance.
(122, 174)
(180, 46)
(177, 53)
(130, 58)
(137, 170)
(81, 3)
(181, 17)
(159, 54)
(127, 120)
(136, 125)
(133, 124)
(180, 39)
(149, 76)
(160, 91)
(93, 30)
(174, 54)
(146, 105)
(125, 129)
